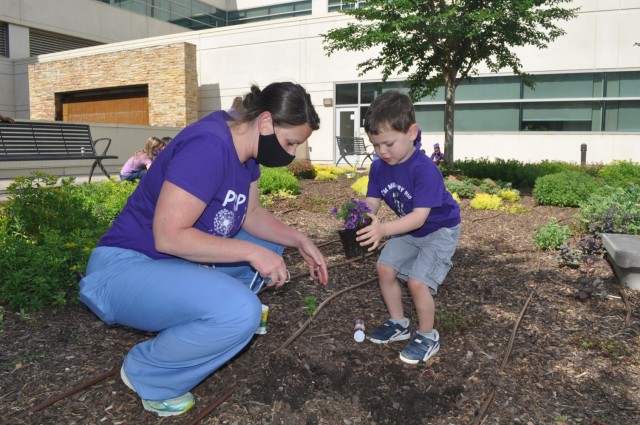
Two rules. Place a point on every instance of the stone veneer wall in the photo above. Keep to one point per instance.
(169, 71)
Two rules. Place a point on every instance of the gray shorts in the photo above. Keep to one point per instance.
(426, 259)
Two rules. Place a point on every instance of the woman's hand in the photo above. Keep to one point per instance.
(314, 259)
(270, 266)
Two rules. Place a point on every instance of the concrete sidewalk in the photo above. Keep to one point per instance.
(4, 183)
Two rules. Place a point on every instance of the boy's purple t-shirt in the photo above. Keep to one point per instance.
(415, 183)
(203, 161)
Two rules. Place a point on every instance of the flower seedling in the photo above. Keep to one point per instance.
(312, 305)
(353, 214)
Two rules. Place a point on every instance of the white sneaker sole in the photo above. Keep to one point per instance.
(393, 339)
(412, 361)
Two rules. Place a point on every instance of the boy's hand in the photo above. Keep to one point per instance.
(372, 234)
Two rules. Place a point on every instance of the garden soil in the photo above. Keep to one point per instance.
(517, 345)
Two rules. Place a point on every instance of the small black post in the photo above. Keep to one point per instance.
(583, 154)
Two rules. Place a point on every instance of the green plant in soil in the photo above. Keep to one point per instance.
(608, 347)
(311, 304)
(450, 322)
(551, 235)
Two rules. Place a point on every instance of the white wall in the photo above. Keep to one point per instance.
(538, 146)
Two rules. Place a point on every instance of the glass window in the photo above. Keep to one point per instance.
(487, 117)
(180, 10)
(303, 6)
(369, 91)
(363, 112)
(430, 117)
(557, 111)
(623, 84)
(564, 86)
(281, 8)
(488, 88)
(4, 46)
(347, 94)
(478, 105)
(561, 116)
(335, 5)
(622, 116)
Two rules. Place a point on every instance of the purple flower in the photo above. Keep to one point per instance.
(353, 213)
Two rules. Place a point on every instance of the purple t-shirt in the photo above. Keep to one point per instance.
(415, 183)
(439, 156)
(202, 160)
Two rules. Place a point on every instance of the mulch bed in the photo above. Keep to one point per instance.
(518, 346)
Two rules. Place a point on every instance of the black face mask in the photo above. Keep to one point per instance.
(271, 153)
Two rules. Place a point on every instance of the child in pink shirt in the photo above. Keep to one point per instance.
(139, 163)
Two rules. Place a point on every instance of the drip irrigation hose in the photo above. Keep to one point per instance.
(210, 408)
(66, 394)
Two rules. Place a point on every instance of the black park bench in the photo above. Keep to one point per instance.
(49, 141)
(348, 146)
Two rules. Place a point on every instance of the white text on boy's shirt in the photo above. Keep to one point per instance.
(400, 189)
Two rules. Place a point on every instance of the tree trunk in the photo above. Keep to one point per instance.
(449, 108)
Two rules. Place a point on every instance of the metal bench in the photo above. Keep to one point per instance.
(349, 146)
(49, 141)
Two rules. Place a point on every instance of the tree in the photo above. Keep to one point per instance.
(441, 42)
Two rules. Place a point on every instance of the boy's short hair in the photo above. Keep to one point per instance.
(391, 110)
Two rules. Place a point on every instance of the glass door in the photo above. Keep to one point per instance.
(346, 126)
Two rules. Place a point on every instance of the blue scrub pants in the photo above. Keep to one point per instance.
(203, 315)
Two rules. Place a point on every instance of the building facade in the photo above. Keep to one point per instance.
(587, 82)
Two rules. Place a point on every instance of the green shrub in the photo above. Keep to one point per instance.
(302, 169)
(277, 180)
(37, 274)
(551, 235)
(565, 189)
(39, 201)
(621, 173)
(106, 199)
(612, 210)
(464, 188)
(48, 228)
(485, 201)
(519, 174)
(490, 187)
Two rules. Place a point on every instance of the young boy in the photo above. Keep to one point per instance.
(423, 237)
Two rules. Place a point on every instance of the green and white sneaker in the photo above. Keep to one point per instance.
(171, 407)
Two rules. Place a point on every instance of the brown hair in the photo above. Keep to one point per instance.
(391, 110)
(289, 104)
(153, 146)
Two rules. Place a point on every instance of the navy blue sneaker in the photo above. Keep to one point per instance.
(420, 349)
(389, 332)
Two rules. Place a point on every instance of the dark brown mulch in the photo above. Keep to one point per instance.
(518, 347)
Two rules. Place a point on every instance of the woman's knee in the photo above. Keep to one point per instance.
(241, 314)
